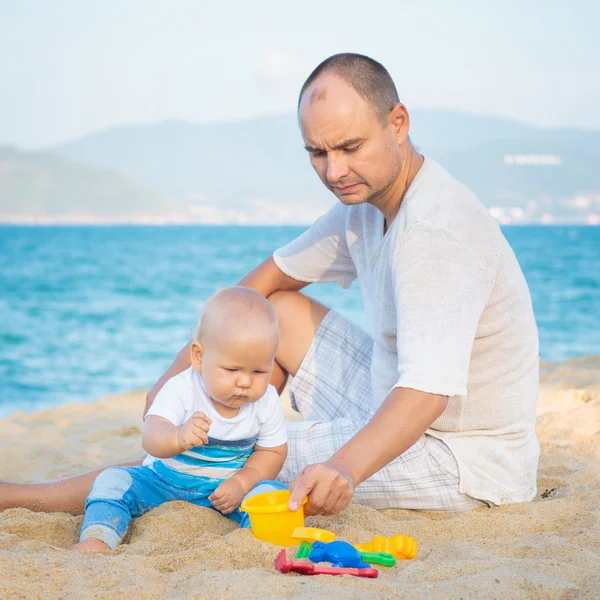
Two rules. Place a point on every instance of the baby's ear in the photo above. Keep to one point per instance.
(196, 354)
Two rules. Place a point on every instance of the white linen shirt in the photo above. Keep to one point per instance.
(450, 313)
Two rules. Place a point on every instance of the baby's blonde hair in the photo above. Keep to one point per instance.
(236, 305)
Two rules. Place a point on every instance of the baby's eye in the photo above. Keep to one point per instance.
(230, 370)
(260, 372)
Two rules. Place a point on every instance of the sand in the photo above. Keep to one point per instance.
(549, 548)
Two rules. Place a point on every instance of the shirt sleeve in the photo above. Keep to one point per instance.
(272, 424)
(440, 291)
(172, 402)
(321, 253)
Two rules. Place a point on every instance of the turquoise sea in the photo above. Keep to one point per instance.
(89, 311)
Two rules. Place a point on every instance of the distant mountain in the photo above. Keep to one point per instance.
(457, 131)
(226, 162)
(257, 170)
(489, 171)
(46, 187)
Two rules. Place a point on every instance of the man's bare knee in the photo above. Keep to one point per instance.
(299, 318)
(290, 304)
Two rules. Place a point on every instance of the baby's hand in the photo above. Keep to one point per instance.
(228, 496)
(194, 432)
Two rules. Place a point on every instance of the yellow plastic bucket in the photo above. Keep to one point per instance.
(271, 519)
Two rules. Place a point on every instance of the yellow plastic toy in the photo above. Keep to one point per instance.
(400, 546)
(313, 534)
(271, 519)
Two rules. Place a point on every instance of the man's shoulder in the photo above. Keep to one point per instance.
(438, 197)
(442, 202)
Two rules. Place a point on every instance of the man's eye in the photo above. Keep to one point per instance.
(353, 149)
(317, 153)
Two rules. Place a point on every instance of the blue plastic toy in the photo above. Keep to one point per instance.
(338, 553)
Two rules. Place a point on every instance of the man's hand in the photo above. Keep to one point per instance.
(329, 489)
(400, 421)
(228, 496)
(194, 432)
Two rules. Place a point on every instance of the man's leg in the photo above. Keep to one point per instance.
(425, 477)
(331, 370)
(64, 495)
(332, 389)
(299, 318)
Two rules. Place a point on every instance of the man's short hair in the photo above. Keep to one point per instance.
(368, 77)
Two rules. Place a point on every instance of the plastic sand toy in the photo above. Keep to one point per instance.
(378, 558)
(271, 519)
(339, 554)
(303, 550)
(283, 564)
(312, 534)
(400, 546)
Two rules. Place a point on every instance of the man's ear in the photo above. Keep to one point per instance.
(196, 355)
(400, 122)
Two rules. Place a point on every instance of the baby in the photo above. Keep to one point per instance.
(213, 433)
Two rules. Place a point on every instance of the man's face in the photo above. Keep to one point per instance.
(355, 155)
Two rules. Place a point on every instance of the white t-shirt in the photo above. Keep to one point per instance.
(450, 313)
(230, 441)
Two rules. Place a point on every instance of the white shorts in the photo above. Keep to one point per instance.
(332, 393)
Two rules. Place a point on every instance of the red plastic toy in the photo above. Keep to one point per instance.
(283, 564)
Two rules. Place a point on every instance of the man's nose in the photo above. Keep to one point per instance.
(337, 168)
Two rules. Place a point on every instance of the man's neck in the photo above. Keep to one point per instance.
(389, 203)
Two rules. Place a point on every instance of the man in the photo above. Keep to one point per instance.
(435, 409)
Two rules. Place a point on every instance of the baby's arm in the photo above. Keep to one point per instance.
(263, 463)
(162, 439)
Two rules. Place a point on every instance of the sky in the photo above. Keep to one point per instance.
(69, 68)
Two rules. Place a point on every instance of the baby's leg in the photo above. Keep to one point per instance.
(118, 496)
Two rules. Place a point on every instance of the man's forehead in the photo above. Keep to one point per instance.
(332, 112)
(329, 88)
(332, 133)
(316, 94)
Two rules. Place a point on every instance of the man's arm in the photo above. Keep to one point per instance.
(440, 289)
(401, 420)
(266, 279)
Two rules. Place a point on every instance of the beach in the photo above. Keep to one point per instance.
(549, 548)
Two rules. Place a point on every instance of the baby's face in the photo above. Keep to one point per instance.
(237, 371)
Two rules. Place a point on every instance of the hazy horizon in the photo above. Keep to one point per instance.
(69, 69)
(85, 134)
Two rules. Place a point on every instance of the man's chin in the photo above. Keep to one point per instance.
(351, 199)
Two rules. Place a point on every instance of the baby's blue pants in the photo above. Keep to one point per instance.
(121, 494)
